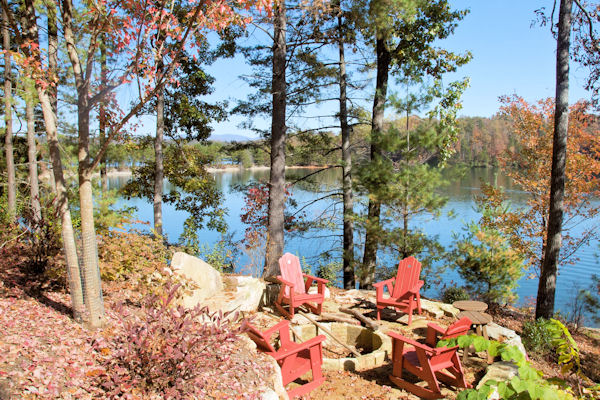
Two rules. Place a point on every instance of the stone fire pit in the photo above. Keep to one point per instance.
(376, 346)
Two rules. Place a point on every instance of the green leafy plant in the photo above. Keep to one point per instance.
(222, 255)
(528, 384)
(453, 293)
(535, 336)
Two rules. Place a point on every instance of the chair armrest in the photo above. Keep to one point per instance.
(415, 289)
(433, 331)
(436, 328)
(406, 340)
(413, 343)
(314, 278)
(382, 283)
(380, 288)
(284, 282)
(277, 327)
(301, 346)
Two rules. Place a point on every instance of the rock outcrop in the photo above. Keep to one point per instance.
(207, 280)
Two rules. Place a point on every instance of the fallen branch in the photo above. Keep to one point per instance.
(327, 331)
(324, 317)
(367, 321)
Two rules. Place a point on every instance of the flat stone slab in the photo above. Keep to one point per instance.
(437, 309)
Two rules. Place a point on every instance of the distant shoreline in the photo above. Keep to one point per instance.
(212, 170)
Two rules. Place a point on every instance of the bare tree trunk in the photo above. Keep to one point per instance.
(158, 165)
(34, 188)
(8, 139)
(52, 90)
(275, 238)
(92, 288)
(373, 225)
(68, 237)
(102, 116)
(52, 54)
(547, 284)
(348, 256)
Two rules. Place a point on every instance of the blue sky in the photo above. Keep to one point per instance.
(510, 56)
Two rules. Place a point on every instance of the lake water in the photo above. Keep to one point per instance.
(460, 194)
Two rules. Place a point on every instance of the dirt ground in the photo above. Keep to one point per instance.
(375, 384)
(43, 314)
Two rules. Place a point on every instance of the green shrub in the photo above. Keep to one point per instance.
(536, 337)
(221, 256)
(487, 263)
(330, 271)
(452, 294)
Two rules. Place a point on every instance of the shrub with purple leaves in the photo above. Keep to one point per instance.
(170, 352)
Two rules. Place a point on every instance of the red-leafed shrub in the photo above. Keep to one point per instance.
(170, 352)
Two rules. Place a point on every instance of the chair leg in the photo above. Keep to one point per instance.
(419, 391)
(378, 313)
(411, 307)
(319, 308)
(284, 312)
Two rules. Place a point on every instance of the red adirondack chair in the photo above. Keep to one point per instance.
(429, 364)
(460, 327)
(403, 290)
(295, 359)
(295, 285)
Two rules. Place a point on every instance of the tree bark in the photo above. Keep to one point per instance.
(52, 55)
(547, 283)
(102, 116)
(34, 188)
(374, 210)
(158, 165)
(348, 235)
(92, 289)
(68, 237)
(8, 138)
(275, 223)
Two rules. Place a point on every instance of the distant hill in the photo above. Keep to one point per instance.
(229, 138)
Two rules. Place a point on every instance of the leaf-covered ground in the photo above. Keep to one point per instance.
(45, 354)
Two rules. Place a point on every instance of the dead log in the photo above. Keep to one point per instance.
(325, 317)
(327, 331)
(365, 320)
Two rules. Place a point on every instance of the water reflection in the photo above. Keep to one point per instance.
(460, 192)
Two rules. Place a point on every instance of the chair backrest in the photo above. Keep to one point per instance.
(443, 358)
(407, 277)
(257, 337)
(291, 271)
(458, 328)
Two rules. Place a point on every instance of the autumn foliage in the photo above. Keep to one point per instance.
(170, 352)
(529, 166)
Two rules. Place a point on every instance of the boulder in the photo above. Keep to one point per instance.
(505, 335)
(248, 292)
(499, 371)
(497, 332)
(516, 341)
(206, 278)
